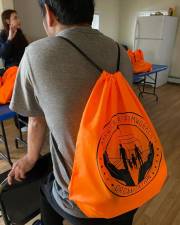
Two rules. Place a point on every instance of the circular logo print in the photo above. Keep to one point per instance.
(128, 155)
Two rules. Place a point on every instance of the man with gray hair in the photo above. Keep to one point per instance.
(52, 88)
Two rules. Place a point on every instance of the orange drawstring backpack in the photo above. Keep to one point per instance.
(138, 62)
(119, 163)
(7, 84)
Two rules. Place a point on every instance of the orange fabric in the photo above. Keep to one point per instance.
(141, 67)
(138, 62)
(131, 56)
(7, 84)
(139, 55)
(119, 163)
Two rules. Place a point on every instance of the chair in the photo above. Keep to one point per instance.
(5, 114)
(20, 202)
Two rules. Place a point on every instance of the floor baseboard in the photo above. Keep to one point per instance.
(175, 80)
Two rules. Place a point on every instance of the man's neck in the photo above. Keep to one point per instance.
(61, 27)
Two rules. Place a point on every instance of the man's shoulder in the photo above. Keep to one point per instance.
(44, 48)
(44, 44)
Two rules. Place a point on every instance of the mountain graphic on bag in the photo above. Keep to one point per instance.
(119, 163)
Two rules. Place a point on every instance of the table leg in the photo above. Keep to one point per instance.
(155, 84)
(143, 90)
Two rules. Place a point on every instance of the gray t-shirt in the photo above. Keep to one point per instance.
(55, 81)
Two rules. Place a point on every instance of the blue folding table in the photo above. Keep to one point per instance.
(5, 114)
(141, 80)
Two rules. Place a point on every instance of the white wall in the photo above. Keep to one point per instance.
(8, 4)
(129, 10)
(109, 11)
(1, 10)
(5, 4)
(117, 19)
(32, 21)
(30, 15)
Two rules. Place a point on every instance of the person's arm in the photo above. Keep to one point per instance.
(25, 102)
(5, 48)
(36, 137)
(6, 43)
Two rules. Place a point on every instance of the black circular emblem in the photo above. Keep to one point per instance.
(128, 155)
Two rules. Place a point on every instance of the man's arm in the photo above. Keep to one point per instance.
(125, 66)
(36, 136)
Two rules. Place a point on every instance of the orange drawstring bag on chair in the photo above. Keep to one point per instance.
(139, 55)
(119, 163)
(138, 62)
(7, 84)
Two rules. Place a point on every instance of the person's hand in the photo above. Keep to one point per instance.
(12, 32)
(20, 168)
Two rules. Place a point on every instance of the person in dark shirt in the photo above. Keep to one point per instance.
(12, 40)
(12, 44)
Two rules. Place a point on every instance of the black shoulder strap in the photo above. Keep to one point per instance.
(82, 53)
(119, 58)
(61, 158)
(90, 60)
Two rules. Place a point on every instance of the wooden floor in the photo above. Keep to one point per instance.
(165, 208)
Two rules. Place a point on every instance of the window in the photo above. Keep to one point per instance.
(95, 24)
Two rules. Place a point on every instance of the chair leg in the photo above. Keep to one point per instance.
(4, 139)
(4, 214)
(19, 140)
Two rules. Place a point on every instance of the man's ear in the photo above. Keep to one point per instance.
(50, 17)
